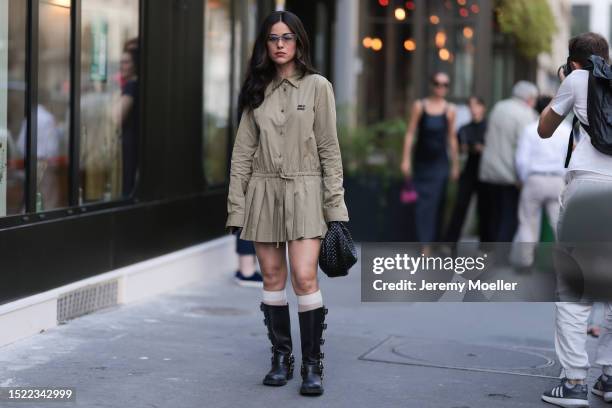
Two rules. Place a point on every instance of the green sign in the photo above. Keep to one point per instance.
(99, 51)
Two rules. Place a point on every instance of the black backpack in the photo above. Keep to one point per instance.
(599, 108)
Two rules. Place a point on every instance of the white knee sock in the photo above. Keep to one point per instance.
(310, 302)
(275, 297)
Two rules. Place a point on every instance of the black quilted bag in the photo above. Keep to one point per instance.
(338, 251)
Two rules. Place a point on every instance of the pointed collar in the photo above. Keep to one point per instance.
(294, 80)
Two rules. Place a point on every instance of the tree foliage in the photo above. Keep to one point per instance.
(530, 22)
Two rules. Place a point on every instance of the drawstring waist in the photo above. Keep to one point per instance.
(291, 175)
(280, 204)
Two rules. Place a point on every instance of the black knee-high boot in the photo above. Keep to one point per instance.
(279, 332)
(311, 332)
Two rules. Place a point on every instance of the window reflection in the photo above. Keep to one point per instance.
(12, 104)
(109, 99)
(53, 105)
(217, 59)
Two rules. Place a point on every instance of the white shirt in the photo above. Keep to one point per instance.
(48, 142)
(537, 155)
(573, 93)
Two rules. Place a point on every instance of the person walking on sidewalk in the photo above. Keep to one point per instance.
(471, 141)
(589, 177)
(286, 187)
(434, 117)
(247, 274)
(539, 166)
(497, 172)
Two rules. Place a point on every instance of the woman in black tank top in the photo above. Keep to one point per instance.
(428, 163)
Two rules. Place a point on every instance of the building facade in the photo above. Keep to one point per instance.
(117, 118)
(592, 15)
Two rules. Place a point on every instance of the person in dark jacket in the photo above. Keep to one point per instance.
(471, 141)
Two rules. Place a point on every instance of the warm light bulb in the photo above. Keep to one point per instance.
(367, 42)
(410, 45)
(444, 54)
(400, 14)
(377, 44)
(433, 19)
(468, 32)
(440, 39)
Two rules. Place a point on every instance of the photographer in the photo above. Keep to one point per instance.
(589, 178)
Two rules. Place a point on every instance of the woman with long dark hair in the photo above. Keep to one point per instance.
(434, 120)
(286, 187)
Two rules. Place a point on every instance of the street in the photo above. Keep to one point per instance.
(206, 346)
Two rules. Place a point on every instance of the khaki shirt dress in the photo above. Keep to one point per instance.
(286, 169)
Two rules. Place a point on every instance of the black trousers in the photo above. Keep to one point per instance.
(468, 186)
(499, 212)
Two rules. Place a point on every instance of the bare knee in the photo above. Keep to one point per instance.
(274, 276)
(305, 283)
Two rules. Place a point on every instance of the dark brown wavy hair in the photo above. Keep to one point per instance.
(262, 70)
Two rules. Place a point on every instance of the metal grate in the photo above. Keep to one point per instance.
(87, 300)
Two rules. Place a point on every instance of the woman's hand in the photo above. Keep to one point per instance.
(406, 168)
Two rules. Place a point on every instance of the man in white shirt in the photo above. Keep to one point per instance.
(540, 170)
(589, 179)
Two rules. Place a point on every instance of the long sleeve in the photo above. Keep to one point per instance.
(334, 207)
(245, 145)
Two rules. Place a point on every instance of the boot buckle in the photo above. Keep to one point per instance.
(324, 326)
(321, 341)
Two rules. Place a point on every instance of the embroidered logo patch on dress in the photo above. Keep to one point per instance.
(301, 107)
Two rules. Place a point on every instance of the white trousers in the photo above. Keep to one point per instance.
(539, 191)
(572, 317)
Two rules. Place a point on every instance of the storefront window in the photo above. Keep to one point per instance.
(388, 46)
(109, 99)
(53, 113)
(450, 36)
(12, 104)
(217, 59)
(404, 42)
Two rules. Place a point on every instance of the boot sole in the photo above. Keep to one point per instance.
(311, 392)
(277, 383)
(566, 402)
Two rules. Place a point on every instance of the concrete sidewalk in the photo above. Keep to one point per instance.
(206, 346)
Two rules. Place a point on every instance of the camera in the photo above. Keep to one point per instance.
(565, 68)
